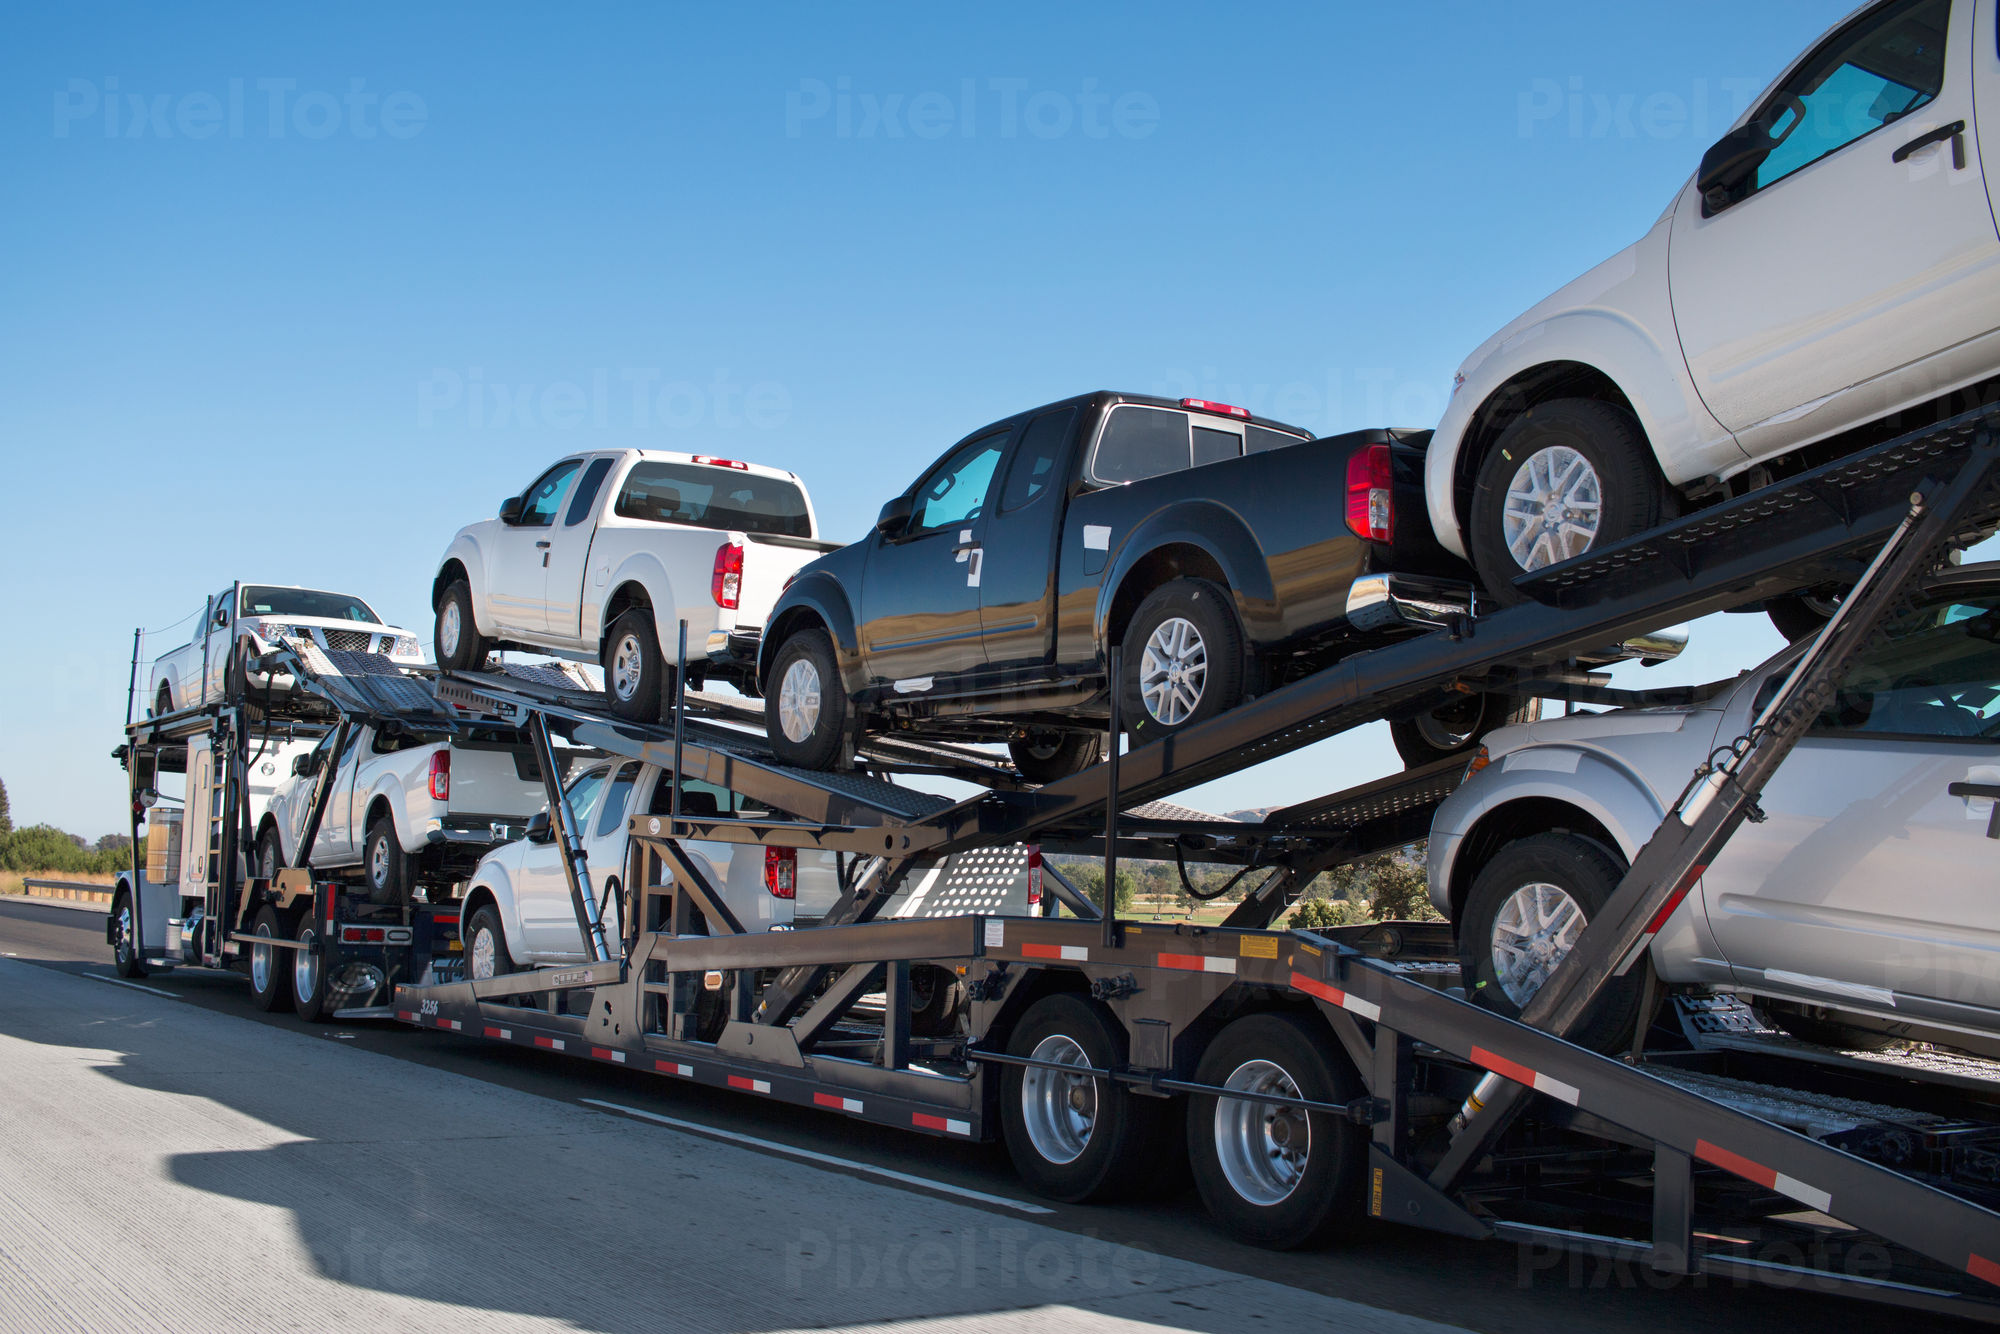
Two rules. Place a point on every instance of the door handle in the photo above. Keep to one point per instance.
(1988, 791)
(541, 546)
(1954, 132)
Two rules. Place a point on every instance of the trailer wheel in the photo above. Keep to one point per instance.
(486, 947)
(936, 997)
(635, 677)
(125, 954)
(270, 854)
(1046, 755)
(1457, 726)
(460, 647)
(308, 975)
(1072, 1137)
(268, 965)
(1275, 1174)
(1183, 659)
(805, 707)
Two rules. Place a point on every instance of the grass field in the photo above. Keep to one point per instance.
(10, 881)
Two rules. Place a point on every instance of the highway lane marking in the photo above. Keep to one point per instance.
(811, 1156)
(121, 982)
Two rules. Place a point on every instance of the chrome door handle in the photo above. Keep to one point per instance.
(1954, 132)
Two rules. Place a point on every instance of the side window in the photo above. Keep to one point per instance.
(1876, 70)
(1935, 672)
(582, 791)
(697, 798)
(586, 491)
(1213, 446)
(1257, 439)
(1139, 442)
(544, 500)
(1033, 469)
(956, 492)
(612, 818)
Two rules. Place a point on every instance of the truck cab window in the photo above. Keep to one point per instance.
(586, 491)
(543, 500)
(1140, 442)
(583, 792)
(1213, 446)
(612, 818)
(1035, 461)
(1257, 439)
(956, 492)
(1935, 672)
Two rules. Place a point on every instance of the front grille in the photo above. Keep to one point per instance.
(349, 641)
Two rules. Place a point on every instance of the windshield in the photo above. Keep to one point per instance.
(260, 600)
(706, 497)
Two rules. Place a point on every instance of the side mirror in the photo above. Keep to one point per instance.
(510, 509)
(895, 516)
(538, 828)
(1729, 164)
(302, 764)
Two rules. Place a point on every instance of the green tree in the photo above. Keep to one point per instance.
(1089, 878)
(1385, 887)
(6, 814)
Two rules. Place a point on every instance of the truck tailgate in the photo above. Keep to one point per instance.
(766, 567)
(494, 778)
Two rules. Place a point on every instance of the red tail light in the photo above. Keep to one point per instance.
(1209, 405)
(1371, 510)
(726, 587)
(781, 872)
(1035, 877)
(440, 775)
(715, 462)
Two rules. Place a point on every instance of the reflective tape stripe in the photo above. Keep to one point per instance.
(607, 1054)
(452, 1024)
(749, 1085)
(1367, 1009)
(1980, 1267)
(407, 1016)
(1768, 1177)
(1071, 953)
(674, 1068)
(925, 1121)
(1521, 1074)
(1199, 963)
(504, 1034)
(838, 1103)
(553, 1044)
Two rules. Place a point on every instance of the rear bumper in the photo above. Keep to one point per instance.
(734, 648)
(1388, 601)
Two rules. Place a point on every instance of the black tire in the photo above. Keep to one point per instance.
(486, 920)
(1631, 494)
(936, 998)
(1112, 1154)
(163, 703)
(1049, 756)
(1457, 726)
(1803, 614)
(384, 864)
(1262, 1196)
(309, 971)
(469, 649)
(270, 855)
(1587, 873)
(270, 974)
(1206, 607)
(805, 702)
(126, 957)
(1823, 1027)
(637, 679)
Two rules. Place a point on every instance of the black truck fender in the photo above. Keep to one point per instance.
(817, 597)
(1192, 538)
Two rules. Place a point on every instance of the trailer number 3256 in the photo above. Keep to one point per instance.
(430, 1007)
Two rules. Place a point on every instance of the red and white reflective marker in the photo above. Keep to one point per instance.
(925, 1121)
(1521, 1074)
(674, 1068)
(1199, 963)
(1070, 953)
(1367, 1009)
(607, 1054)
(749, 1085)
(835, 1101)
(504, 1034)
(452, 1024)
(1768, 1177)
(552, 1044)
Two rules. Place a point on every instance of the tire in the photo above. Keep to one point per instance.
(1457, 726)
(1244, 1154)
(270, 968)
(1049, 756)
(805, 704)
(308, 974)
(1073, 1138)
(455, 635)
(486, 946)
(1622, 480)
(1823, 1028)
(384, 864)
(636, 678)
(270, 854)
(126, 957)
(1532, 877)
(1803, 614)
(163, 703)
(1186, 626)
(936, 998)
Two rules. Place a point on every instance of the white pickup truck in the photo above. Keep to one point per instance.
(604, 554)
(407, 807)
(260, 613)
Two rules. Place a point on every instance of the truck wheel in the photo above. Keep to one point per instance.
(163, 703)
(1527, 908)
(1568, 476)
(1271, 1173)
(308, 974)
(268, 965)
(1183, 659)
(805, 712)
(460, 647)
(486, 947)
(1072, 1137)
(1046, 755)
(385, 863)
(1457, 726)
(636, 678)
(126, 957)
(936, 997)
(270, 856)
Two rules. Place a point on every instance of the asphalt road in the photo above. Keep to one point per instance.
(1490, 1287)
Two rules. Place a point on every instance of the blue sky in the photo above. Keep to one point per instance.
(290, 294)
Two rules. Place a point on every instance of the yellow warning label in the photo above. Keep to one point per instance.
(1375, 1195)
(1310, 949)
(1260, 947)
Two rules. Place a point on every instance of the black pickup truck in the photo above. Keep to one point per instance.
(1226, 554)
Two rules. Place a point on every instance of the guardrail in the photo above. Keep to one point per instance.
(82, 891)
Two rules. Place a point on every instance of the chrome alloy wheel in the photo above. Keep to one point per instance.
(1534, 931)
(628, 663)
(378, 863)
(798, 701)
(1554, 506)
(1263, 1147)
(483, 950)
(1060, 1109)
(260, 960)
(305, 965)
(1172, 671)
(449, 627)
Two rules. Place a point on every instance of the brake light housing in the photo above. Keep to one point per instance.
(1220, 409)
(781, 872)
(1035, 878)
(726, 584)
(709, 460)
(441, 775)
(1371, 506)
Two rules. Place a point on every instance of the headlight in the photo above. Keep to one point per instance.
(406, 646)
(269, 632)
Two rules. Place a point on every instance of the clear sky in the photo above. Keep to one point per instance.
(290, 293)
